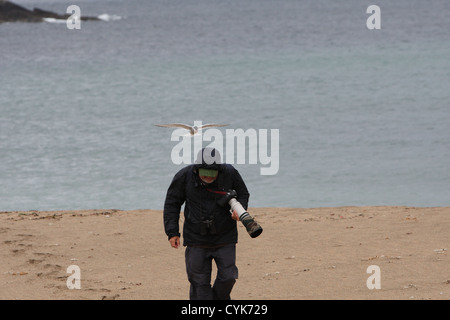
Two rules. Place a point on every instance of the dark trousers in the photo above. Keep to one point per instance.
(199, 268)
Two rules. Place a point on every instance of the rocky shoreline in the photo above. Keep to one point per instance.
(11, 12)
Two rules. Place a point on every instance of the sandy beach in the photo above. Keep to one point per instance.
(320, 253)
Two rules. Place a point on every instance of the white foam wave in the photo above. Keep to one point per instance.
(109, 17)
(53, 20)
(103, 17)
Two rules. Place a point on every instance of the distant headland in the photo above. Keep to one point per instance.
(11, 12)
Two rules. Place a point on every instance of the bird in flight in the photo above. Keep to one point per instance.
(193, 130)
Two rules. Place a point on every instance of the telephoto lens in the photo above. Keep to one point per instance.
(252, 227)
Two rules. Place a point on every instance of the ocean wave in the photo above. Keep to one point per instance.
(102, 17)
(109, 17)
(54, 20)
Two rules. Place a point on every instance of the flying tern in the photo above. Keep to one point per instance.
(193, 130)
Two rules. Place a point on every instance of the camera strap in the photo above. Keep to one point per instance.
(217, 191)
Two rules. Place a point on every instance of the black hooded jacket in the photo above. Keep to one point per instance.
(201, 204)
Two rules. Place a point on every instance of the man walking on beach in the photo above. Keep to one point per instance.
(209, 231)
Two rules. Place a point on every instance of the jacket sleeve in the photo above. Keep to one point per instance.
(241, 189)
(172, 206)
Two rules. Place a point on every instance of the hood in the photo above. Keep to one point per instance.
(208, 158)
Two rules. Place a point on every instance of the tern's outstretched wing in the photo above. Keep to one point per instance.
(175, 125)
(213, 125)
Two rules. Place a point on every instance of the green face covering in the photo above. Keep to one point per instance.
(208, 172)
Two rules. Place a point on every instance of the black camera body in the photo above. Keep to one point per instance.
(227, 197)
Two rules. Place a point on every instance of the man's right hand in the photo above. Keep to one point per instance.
(175, 242)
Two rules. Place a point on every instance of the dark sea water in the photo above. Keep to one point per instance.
(363, 115)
